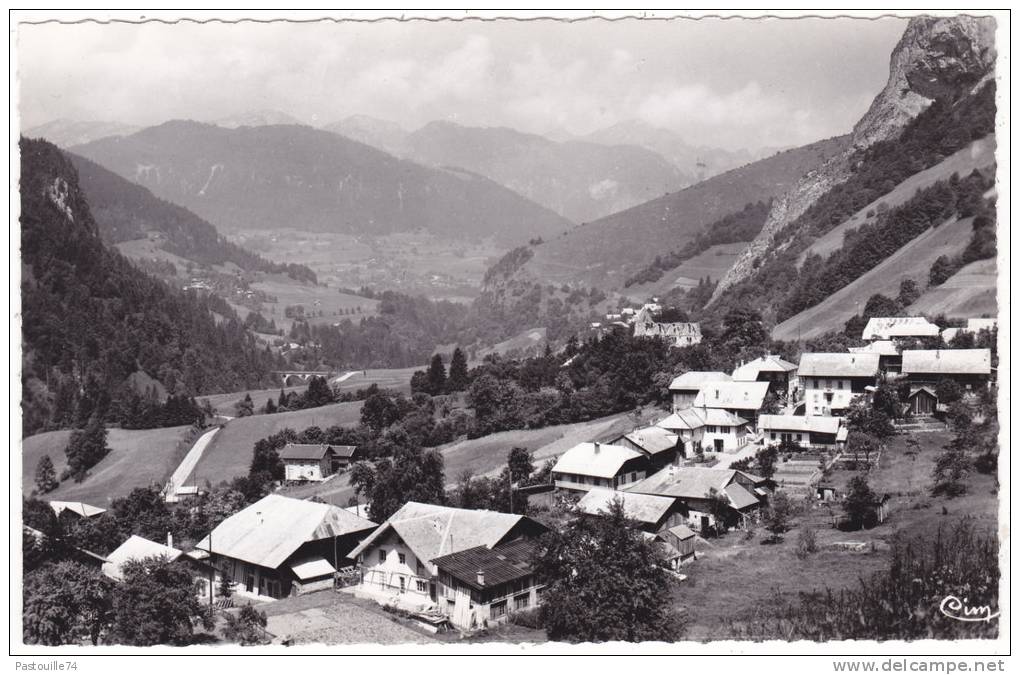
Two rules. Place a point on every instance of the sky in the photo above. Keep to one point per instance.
(733, 83)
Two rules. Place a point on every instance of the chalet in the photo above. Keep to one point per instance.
(899, 328)
(679, 334)
(743, 493)
(809, 431)
(315, 462)
(832, 380)
(744, 399)
(778, 372)
(588, 465)
(482, 586)
(281, 546)
(971, 368)
(711, 428)
(889, 359)
(651, 513)
(922, 400)
(397, 560)
(75, 510)
(659, 445)
(679, 541)
(684, 389)
(138, 548)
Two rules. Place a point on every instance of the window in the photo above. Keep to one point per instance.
(402, 558)
(382, 555)
(521, 601)
(497, 609)
(421, 586)
(633, 476)
(799, 437)
(772, 435)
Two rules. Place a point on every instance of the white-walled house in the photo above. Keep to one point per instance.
(743, 399)
(315, 462)
(898, 328)
(744, 493)
(588, 465)
(832, 380)
(712, 429)
(810, 431)
(684, 388)
(777, 371)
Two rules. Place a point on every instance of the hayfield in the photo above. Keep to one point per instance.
(137, 458)
(971, 292)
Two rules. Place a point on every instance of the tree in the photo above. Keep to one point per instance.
(940, 270)
(45, 476)
(520, 463)
(436, 376)
(765, 461)
(318, 393)
(605, 581)
(270, 407)
(777, 515)
(458, 377)
(861, 446)
(951, 467)
(245, 407)
(86, 448)
(887, 401)
(859, 505)
(948, 391)
(880, 305)
(410, 475)
(247, 627)
(379, 411)
(64, 603)
(720, 510)
(143, 512)
(860, 416)
(909, 292)
(156, 604)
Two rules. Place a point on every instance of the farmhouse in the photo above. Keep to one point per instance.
(679, 334)
(657, 444)
(75, 510)
(810, 431)
(971, 368)
(397, 559)
(711, 428)
(588, 465)
(137, 548)
(832, 380)
(482, 586)
(694, 486)
(652, 513)
(745, 399)
(315, 462)
(281, 546)
(899, 327)
(778, 372)
(889, 359)
(685, 388)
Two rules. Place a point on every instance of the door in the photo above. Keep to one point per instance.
(403, 584)
(704, 524)
(718, 444)
(249, 582)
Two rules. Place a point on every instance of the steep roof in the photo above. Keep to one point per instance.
(681, 531)
(695, 418)
(838, 364)
(880, 347)
(643, 508)
(693, 379)
(948, 361)
(739, 395)
(814, 423)
(771, 363)
(740, 498)
(431, 530)
(82, 509)
(653, 439)
(688, 482)
(273, 528)
(883, 328)
(136, 548)
(500, 564)
(602, 460)
(311, 451)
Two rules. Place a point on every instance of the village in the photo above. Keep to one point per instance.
(733, 450)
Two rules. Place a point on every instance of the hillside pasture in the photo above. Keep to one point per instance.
(971, 292)
(137, 458)
(333, 304)
(912, 261)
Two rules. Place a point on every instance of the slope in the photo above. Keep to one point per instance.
(580, 181)
(271, 177)
(65, 132)
(912, 261)
(971, 292)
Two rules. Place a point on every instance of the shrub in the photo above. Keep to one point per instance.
(530, 618)
(806, 542)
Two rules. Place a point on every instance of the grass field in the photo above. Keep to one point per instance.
(912, 261)
(971, 292)
(314, 299)
(734, 577)
(137, 458)
(229, 453)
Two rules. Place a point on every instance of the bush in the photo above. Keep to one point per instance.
(806, 542)
(530, 618)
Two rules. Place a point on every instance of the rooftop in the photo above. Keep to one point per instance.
(136, 548)
(273, 528)
(880, 347)
(738, 395)
(602, 460)
(314, 451)
(948, 361)
(80, 508)
(696, 418)
(814, 423)
(643, 508)
(883, 328)
(693, 379)
(838, 364)
(689, 482)
(766, 364)
(498, 565)
(652, 440)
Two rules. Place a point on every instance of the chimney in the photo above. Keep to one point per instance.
(481, 577)
(169, 539)
(597, 448)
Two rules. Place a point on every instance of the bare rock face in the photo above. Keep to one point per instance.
(937, 57)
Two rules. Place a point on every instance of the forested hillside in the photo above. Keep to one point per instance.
(90, 319)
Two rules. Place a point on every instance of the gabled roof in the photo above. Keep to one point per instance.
(947, 361)
(838, 364)
(740, 498)
(738, 395)
(80, 508)
(688, 482)
(914, 391)
(771, 363)
(430, 530)
(311, 451)
(602, 460)
(880, 347)
(136, 548)
(883, 328)
(681, 532)
(814, 423)
(693, 379)
(273, 528)
(500, 564)
(643, 508)
(696, 418)
(652, 440)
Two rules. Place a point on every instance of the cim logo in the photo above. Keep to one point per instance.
(958, 609)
